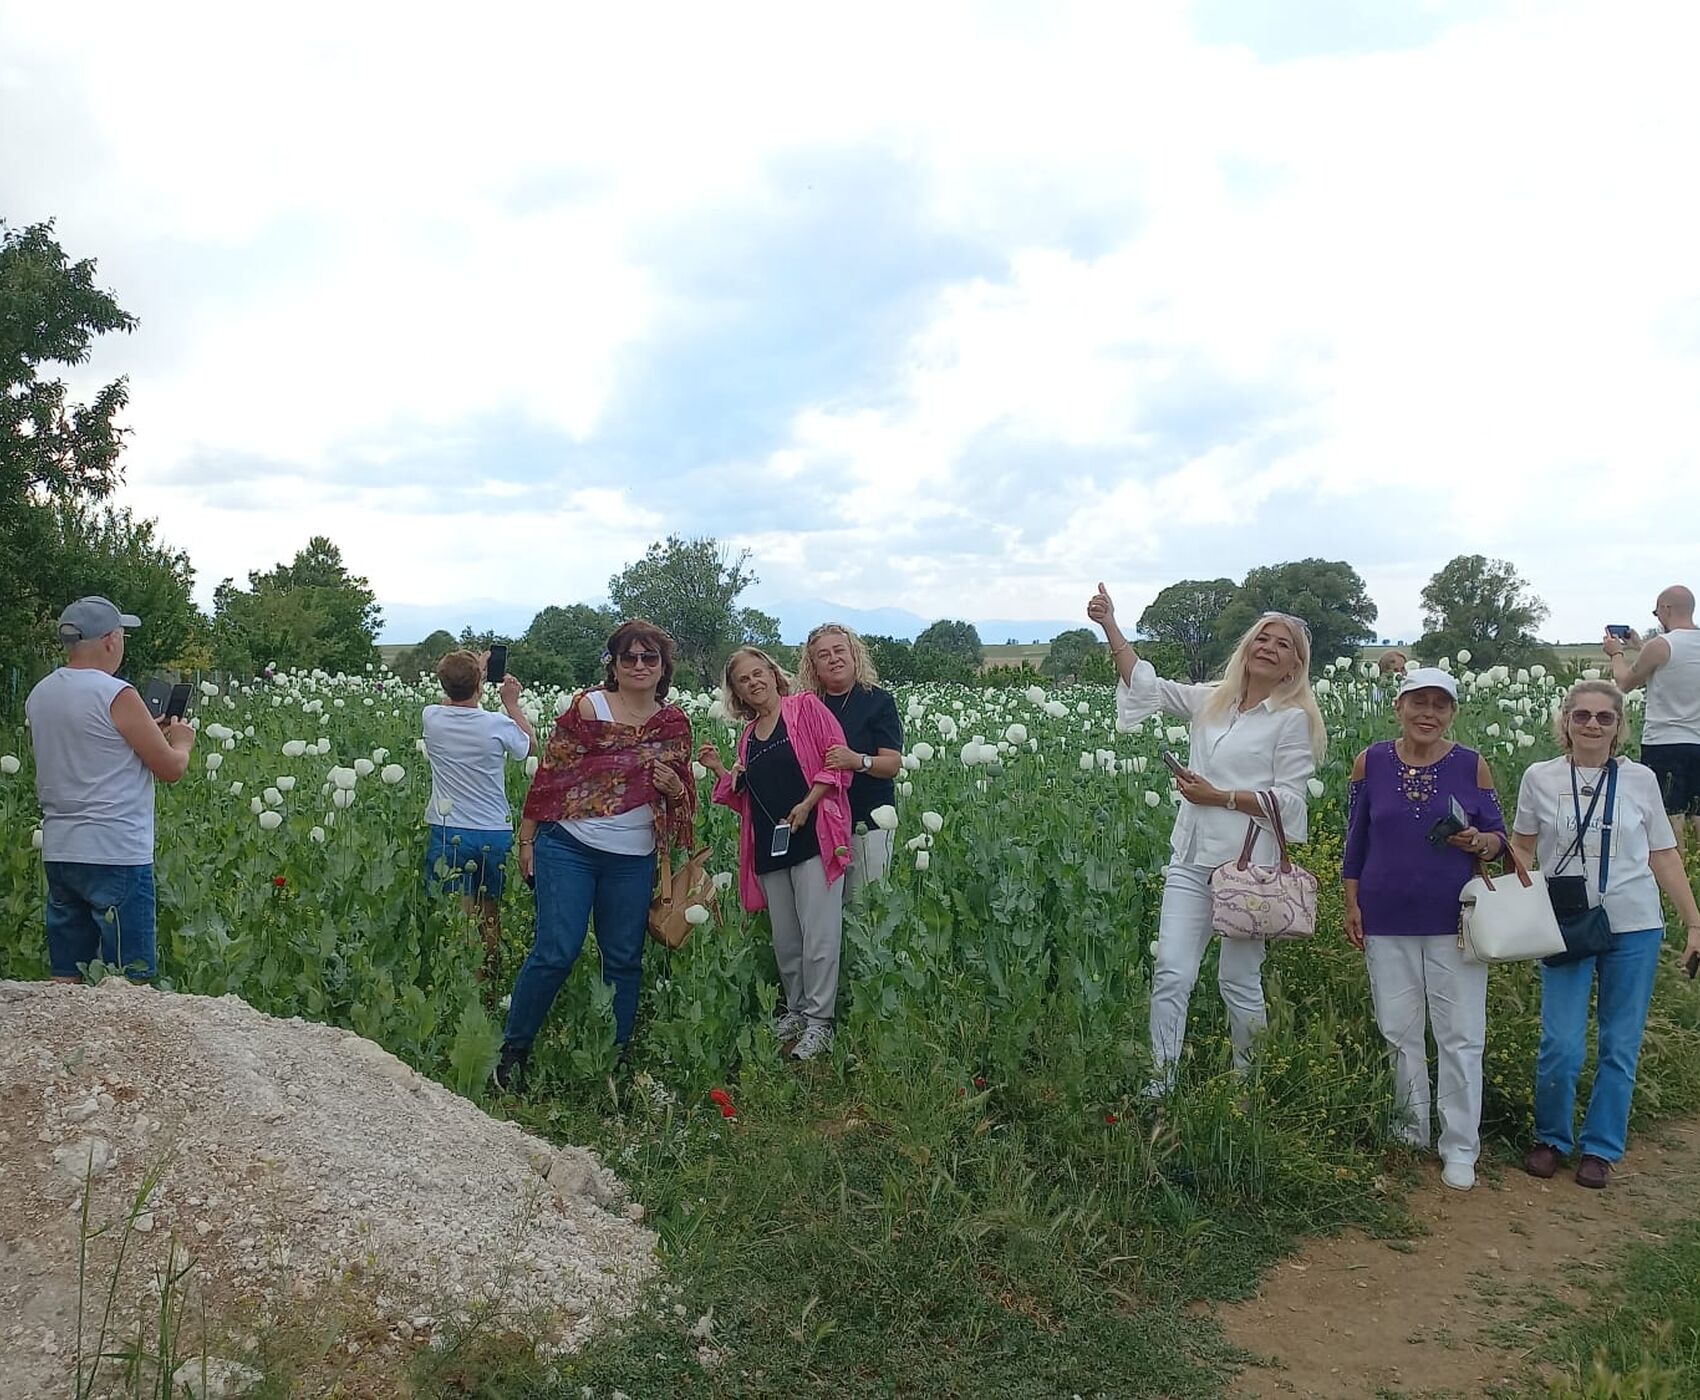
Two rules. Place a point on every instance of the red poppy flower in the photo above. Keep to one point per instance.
(979, 1083)
(1111, 1119)
(280, 881)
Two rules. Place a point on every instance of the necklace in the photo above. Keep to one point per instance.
(843, 701)
(1589, 783)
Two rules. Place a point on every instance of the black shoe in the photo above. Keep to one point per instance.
(510, 1069)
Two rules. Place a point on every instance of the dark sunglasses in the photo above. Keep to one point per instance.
(640, 658)
(1604, 718)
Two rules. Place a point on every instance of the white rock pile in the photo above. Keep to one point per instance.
(293, 1160)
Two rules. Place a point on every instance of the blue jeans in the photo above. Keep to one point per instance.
(104, 911)
(459, 846)
(1626, 990)
(573, 880)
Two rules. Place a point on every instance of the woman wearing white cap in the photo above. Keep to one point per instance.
(1401, 895)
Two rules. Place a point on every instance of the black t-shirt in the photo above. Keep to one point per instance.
(868, 716)
(776, 783)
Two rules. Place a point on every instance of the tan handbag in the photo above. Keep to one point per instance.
(676, 892)
(1263, 901)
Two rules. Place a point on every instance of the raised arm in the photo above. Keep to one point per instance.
(162, 745)
(1632, 666)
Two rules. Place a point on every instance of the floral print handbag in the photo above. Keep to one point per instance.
(1263, 901)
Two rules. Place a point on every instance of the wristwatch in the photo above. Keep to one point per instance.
(1233, 802)
(867, 762)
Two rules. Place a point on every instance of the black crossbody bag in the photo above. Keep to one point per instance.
(1587, 931)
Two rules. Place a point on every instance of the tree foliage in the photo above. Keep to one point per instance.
(690, 588)
(900, 662)
(950, 638)
(1186, 615)
(423, 658)
(1072, 656)
(1484, 605)
(310, 613)
(563, 646)
(1327, 593)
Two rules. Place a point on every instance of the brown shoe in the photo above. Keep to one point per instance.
(1542, 1161)
(1593, 1172)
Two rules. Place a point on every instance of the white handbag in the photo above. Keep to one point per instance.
(1508, 920)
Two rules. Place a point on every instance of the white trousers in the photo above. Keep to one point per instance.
(870, 858)
(1408, 976)
(807, 915)
(1183, 933)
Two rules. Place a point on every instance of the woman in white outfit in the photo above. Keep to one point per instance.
(1257, 730)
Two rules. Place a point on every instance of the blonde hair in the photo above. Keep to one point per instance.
(734, 705)
(1561, 716)
(1292, 693)
(862, 664)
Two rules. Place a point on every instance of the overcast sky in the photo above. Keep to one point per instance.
(952, 307)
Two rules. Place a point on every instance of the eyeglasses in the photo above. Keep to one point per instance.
(1604, 718)
(640, 658)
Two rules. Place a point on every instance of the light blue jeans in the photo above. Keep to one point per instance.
(1625, 975)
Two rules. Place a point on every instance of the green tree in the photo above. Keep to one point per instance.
(1185, 614)
(423, 659)
(1071, 653)
(51, 449)
(957, 640)
(309, 613)
(1328, 594)
(1485, 605)
(94, 549)
(563, 646)
(690, 588)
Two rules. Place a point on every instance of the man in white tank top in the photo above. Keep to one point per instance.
(1669, 666)
(97, 753)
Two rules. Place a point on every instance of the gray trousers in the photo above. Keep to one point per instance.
(808, 927)
(870, 858)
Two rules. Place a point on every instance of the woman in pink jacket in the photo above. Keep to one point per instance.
(793, 838)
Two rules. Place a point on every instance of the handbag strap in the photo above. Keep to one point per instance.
(1605, 824)
(1510, 858)
(1272, 809)
(666, 872)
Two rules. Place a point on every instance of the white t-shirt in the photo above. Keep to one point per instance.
(1546, 810)
(466, 749)
(629, 833)
(1673, 693)
(96, 795)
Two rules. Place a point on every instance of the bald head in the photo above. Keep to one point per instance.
(1676, 606)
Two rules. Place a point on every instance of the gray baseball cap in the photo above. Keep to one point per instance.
(92, 617)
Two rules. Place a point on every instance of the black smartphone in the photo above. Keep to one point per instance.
(1692, 966)
(781, 844)
(1455, 820)
(496, 668)
(1175, 765)
(156, 695)
(1620, 630)
(178, 701)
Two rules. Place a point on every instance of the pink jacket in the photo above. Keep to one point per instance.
(812, 730)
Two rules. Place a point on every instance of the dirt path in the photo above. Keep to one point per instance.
(1458, 1310)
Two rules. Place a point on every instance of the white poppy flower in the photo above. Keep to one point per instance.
(1322, 686)
(1176, 734)
(923, 842)
(695, 915)
(1035, 694)
(923, 752)
(1087, 762)
(236, 788)
(9, 764)
(531, 766)
(698, 771)
(1591, 674)
(1152, 799)
(343, 778)
(722, 879)
(1445, 663)
(1016, 734)
(1174, 797)
(1463, 656)
(1493, 731)
(208, 689)
(214, 761)
(273, 797)
(1342, 663)
(905, 789)
(256, 806)
(286, 783)
(270, 821)
(317, 834)
(923, 859)
(1083, 708)
(932, 821)
(343, 798)
(35, 838)
(294, 748)
(884, 817)
(1314, 787)
(330, 818)
(392, 774)
(363, 767)
(1538, 672)
(379, 755)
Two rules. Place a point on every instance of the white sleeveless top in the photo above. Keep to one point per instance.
(624, 834)
(96, 795)
(1673, 693)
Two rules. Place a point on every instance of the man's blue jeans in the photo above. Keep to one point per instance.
(100, 911)
(573, 881)
(1625, 974)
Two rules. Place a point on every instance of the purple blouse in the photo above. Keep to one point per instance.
(1406, 886)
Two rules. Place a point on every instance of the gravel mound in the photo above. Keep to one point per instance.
(295, 1161)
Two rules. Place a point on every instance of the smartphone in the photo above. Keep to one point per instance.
(1620, 630)
(496, 668)
(178, 701)
(1455, 820)
(781, 844)
(156, 695)
(1175, 765)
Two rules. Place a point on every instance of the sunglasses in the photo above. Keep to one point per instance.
(1287, 618)
(640, 658)
(1604, 718)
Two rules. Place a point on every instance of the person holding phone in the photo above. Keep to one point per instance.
(469, 822)
(614, 782)
(793, 837)
(97, 754)
(1257, 730)
(1668, 665)
(836, 666)
(1422, 812)
(1558, 819)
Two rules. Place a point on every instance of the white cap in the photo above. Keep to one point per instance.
(1428, 678)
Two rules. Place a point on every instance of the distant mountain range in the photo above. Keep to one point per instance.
(407, 623)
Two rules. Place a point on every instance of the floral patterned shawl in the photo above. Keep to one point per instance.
(600, 768)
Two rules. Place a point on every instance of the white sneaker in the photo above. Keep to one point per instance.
(816, 1039)
(1460, 1176)
(788, 1025)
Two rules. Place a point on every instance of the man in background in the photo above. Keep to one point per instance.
(1669, 666)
